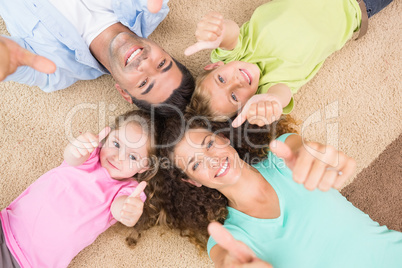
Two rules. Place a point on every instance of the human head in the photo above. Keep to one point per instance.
(146, 74)
(129, 149)
(202, 204)
(224, 88)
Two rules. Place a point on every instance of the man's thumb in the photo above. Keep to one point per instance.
(154, 5)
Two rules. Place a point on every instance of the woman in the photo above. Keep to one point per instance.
(285, 222)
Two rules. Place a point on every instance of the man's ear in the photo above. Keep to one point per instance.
(197, 184)
(124, 94)
(212, 66)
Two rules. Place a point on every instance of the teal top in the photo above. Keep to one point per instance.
(315, 229)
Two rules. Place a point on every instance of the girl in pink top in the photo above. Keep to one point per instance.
(68, 207)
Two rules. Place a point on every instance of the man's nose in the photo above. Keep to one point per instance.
(146, 66)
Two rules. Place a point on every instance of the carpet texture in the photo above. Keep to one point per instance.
(353, 103)
(377, 189)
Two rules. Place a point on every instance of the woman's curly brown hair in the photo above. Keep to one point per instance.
(189, 208)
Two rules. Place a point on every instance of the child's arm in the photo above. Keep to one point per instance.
(78, 151)
(263, 109)
(229, 252)
(212, 32)
(12, 56)
(128, 209)
(313, 164)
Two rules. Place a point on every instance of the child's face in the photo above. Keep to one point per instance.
(231, 85)
(125, 152)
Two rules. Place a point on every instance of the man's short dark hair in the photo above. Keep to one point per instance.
(178, 100)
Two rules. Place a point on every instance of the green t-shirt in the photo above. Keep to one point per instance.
(315, 229)
(290, 39)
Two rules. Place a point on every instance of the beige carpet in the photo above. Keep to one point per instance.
(353, 103)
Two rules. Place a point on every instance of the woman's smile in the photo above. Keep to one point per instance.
(224, 169)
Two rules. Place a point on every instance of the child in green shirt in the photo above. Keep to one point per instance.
(280, 49)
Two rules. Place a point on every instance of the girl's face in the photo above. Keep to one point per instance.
(231, 85)
(125, 152)
(207, 159)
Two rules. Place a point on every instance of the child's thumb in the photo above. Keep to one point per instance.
(139, 189)
(103, 134)
(240, 118)
(201, 45)
(283, 151)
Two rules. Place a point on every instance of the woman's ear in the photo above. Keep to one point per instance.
(212, 66)
(196, 184)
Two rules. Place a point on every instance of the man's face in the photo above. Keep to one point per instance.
(142, 69)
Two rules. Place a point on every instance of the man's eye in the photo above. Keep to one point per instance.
(161, 64)
(221, 79)
(132, 157)
(143, 83)
(116, 144)
(196, 166)
(210, 143)
(234, 97)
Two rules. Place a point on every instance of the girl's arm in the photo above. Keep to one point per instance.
(214, 31)
(314, 164)
(128, 209)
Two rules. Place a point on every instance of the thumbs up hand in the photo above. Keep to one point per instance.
(133, 206)
(209, 33)
(316, 165)
(261, 110)
(238, 254)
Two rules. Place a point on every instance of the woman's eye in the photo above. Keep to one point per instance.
(220, 78)
(196, 166)
(116, 144)
(132, 157)
(210, 143)
(143, 83)
(161, 64)
(234, 97)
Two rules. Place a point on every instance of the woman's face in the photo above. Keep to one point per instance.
(208, 159)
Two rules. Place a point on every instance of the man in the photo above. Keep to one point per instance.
(89, 38)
